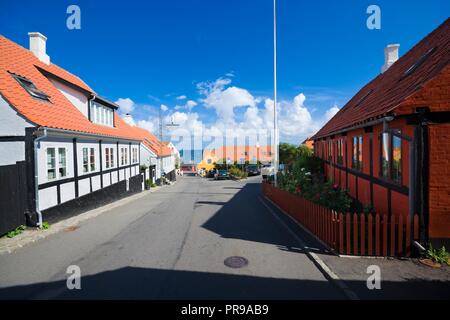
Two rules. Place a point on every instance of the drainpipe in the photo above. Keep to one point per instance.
(36, 174)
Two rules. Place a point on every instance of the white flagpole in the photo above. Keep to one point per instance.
(275, 116)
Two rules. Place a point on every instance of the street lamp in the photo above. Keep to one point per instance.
(275, 117)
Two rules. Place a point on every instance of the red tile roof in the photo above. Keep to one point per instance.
(60, 113)
(390, 90)
(150, 141)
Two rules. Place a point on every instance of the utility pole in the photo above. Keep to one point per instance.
(161, 144)
(275, 116)
(161, 125)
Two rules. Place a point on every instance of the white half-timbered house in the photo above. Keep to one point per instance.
(63, 148)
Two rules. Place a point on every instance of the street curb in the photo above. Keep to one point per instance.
(318, 262)
(9, 245)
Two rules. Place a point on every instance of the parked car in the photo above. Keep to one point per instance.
(267, 170)
(253, 170)
(210, 173)
(221, 174)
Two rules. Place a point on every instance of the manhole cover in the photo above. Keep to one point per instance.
(236, 262)
(71, 228)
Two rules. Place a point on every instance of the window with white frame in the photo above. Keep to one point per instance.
(85, 160)
(62, 162)
(135, 155)
(101, 114)
(88, 160)
(109, 157)
(123, 156)
(53, 166)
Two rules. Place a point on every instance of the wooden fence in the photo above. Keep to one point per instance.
(349, 233)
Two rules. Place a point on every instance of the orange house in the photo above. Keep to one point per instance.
(390, 144)
(238, 154)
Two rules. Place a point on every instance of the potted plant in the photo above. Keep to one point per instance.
(435, 258)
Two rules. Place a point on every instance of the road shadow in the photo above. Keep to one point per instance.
(141, 283)
(245, 217)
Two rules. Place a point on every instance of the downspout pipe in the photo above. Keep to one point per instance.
(36, 172)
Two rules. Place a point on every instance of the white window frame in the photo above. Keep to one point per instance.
(91, 165)
(53, 168)
(56, 163)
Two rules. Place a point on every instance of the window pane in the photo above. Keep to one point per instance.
(355, 152)
(112, 157)
(396, 159)
(51, 165)
(360, 162)
(92, 159)
(385, 155)
(62, 162)
(85, 160)
(107, 157)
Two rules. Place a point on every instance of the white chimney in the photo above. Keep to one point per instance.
(390, 56)
(129, 119)
(38, 47)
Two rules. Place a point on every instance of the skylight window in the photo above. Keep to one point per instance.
(419, 62)
(29, 86)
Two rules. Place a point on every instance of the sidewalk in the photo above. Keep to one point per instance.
(400, 278)
(30, 235)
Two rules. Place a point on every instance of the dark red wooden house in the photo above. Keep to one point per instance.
(390, 144)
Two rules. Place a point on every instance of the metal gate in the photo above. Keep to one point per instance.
(13, 196)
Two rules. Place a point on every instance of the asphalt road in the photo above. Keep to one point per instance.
(171, 244)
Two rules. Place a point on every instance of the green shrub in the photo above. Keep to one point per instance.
(16, 231)
(438, 255)
(45, 225)
(305, 178)
(237, 172)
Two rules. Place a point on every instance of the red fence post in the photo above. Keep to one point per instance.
(408, 236)
(385, 236)
(369, 234)
(355, 234)
(347, 231)
(400, 235)
(392, 235)
(341, 232)
(363, 234)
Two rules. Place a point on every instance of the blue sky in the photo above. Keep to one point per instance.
(148, 53)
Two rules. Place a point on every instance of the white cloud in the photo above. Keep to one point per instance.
(331, 112)
(149, 125)
(224, 99)
(182, 97)
(190, 104)
(126, 105)
(295, 118)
